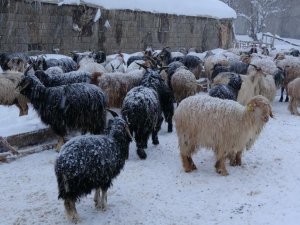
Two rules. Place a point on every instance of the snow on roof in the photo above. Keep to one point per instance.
(204, 8)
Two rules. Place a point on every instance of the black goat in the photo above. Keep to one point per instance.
(191, 62)
(279, 77)
(142, 108)
(218, 68)
(194, 64)
(131, 59)
(6, 57)
(164, 56)
(56, 79)
(172, 67)
(228, 91)
(74, 106)
(152, 79)
(66, 64)
(143, 105)
(295, 53)
(91, 162)
(238, 67)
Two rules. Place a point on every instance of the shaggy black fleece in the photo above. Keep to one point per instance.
(141, 107)
(152, 79)
(227, 91)
(74, 106)
(52, 80)
(92, 161)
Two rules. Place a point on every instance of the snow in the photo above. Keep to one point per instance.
(264, 190)
(12, 124)
(106, 24)
(280, 45)
(51, 56)
(203, 8)
(157, 190)
(97, 16)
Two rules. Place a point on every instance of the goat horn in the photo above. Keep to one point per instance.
(278, 67)
(28, 68)
(113, 113)
(151, 59)
(257, 68)
(143, 66)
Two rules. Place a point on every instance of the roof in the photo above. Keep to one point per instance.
(203, 8)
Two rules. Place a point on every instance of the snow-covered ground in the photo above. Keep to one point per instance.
(279, 45)
(264, 190)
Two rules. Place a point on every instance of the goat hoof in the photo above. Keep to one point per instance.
(155, 142)
(74, 218)
(280, 100)
(235, 164)
(170, 129)
(287, 100)
(190, 168)
(101, 206)
(222, 172)
(141, 153)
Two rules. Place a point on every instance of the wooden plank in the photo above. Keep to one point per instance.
(6, 147)
(8, 157)
(31, 138)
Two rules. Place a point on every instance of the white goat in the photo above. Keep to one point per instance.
(294, 93)
(224, 126)
(184, 84)
(88, 65)
(9, 95)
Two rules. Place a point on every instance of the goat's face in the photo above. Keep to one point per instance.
(261, 107)
(17, 64)
(119, 127)
(279, 56)
(4, 61)
(37, 64)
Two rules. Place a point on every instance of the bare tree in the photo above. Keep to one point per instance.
(255, 12)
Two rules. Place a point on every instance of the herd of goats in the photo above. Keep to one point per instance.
(75, 94)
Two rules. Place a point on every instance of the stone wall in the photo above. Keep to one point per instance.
(43, 27)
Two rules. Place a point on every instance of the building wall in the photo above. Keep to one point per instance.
(44, 27)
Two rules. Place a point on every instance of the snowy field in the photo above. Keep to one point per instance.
(264, 190)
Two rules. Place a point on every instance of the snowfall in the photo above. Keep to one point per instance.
(157, 191)
(264, 190)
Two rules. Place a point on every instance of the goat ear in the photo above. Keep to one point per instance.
(113, 113)
(27, 70)
(251, 107)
